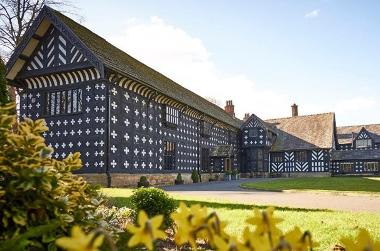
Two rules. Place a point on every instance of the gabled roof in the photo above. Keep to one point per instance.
(254, 121)
(303, 132)
(346, 134)
(120, 62)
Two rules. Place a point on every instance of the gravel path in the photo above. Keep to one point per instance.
(231, 191)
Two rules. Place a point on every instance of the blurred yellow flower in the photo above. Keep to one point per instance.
(147, 230)
(79, 241)
(363, 242)
(265, 222)
(255, 241)
(231, 245)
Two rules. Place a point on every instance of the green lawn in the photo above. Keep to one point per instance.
(347, 184)
(326, 226)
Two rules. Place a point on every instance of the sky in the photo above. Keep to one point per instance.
(264, 55)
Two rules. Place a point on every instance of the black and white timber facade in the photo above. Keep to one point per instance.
(124, 117)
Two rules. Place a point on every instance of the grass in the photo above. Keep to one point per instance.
(326, 226)
(337, 184)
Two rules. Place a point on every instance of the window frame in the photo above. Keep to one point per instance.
(63, 102)
(277, 157)
(171, 116)
(343, 167)
(169, 163)
(206, 129)
(253, 132)
(373, 169)
(300, 156)
(368, 141)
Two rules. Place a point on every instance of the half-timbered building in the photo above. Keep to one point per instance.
(128, 120)
(121, 115)
(358, 150)
(289, 146)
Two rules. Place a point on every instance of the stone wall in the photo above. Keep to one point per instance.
(130, 180)
(306, 174)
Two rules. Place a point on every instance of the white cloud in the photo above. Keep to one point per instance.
(185, 59)
(313, 13)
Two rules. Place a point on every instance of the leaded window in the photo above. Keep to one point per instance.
(346, 167)
(63, 102)
(253, 132)
(277, 157)
(171, 116)
(169, 155)
(205, 129)
(301, 156)
(371, 166)
(363, 143)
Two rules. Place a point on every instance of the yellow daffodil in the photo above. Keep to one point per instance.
(363, 242)
(299, 241)
(265, 222)
(231, 245)
(147, 230)
(185, 229)
(79, 241)
(255, 241)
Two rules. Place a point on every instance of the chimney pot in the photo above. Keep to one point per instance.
(294, 110)
(229, 108)
(246, 116)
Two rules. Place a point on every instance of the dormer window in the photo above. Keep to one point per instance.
(171, 116)
(363, 143)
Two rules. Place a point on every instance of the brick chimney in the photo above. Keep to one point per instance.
(229, 108)
(294, 110)
(246, 117)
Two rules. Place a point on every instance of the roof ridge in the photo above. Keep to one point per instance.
(307, 115)
(156, 71)
(359, 125)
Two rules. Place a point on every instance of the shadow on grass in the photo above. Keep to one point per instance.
(126, 202)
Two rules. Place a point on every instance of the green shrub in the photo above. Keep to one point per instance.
(154, 201)
(194, 176)
(178, 180)
(37, 190)
(143, 182)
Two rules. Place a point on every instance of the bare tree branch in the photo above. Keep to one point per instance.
(16, 16)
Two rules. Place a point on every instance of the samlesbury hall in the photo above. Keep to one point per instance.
(128, 120)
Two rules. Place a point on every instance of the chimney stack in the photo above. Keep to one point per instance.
(229, 108)
(246, 117)
(294, 110)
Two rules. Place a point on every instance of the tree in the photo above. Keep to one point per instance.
(16, 16)
(4, 97)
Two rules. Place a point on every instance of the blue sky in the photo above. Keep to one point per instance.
(324, 55)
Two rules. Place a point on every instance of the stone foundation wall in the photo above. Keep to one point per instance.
(306, 174)
(130, 180)
(95, 178)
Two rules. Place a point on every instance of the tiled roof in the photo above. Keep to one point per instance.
(119, 61)
(363, 154)
(303, 132)
(346, 134)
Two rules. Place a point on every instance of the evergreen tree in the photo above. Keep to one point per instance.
(4, 96)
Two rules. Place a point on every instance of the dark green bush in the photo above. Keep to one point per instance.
(143, 182)
(194, 176)
(154, 201)
(178, 180)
